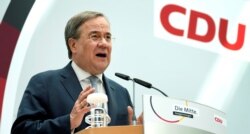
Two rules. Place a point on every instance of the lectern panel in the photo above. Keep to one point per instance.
(163, 115)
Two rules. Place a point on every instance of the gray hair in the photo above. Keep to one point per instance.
(71, 29)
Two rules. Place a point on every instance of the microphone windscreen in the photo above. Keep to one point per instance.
(143, 83)
(123, 76)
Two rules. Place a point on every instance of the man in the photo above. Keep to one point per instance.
(55, 101)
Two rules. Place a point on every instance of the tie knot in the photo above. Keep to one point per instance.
(93, 80)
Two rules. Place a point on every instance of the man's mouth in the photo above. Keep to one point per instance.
(101, 55)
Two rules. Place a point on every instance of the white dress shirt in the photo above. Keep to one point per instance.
(84, 81)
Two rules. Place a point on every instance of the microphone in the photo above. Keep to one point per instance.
(123, 76)
(148, 85)
(143, 83)
(126, 77)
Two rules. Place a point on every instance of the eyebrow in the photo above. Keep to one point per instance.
(98, 32)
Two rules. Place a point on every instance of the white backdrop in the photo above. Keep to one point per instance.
(179, 70)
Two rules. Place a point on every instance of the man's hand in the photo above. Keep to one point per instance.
(139, 120)
(80, 108)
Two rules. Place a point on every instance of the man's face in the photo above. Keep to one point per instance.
(92, 51)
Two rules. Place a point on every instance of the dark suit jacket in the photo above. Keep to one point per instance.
(50, 97)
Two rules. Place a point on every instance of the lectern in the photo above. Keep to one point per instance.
(162, 115)
(138, 129)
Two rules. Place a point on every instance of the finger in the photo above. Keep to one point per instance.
(87, 88)
(140, 119)
(84, 103)
(86, 109)
(81, 106)
(130, 114)
(83, 95)
(77, 114)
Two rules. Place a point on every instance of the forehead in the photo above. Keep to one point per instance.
(96, 24)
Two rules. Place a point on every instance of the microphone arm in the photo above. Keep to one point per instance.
(126, 77)
(148, 85)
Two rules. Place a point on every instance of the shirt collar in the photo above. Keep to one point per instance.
(81, 74)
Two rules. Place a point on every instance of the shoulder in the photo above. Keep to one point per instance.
(56, 73)
(46, 74)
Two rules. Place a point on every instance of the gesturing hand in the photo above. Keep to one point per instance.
(80, 108)
(139, 120)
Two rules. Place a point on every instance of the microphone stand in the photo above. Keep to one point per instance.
(126, 77)
(134, 117)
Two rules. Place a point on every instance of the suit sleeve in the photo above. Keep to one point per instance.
(34, 113)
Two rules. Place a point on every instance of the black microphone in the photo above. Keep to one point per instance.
(123, 76)
(126, 77)
(143, 83)
(148, 85)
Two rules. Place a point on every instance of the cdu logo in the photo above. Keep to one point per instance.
(206, 24)
(220, 120)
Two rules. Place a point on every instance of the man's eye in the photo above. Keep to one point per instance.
(108, 37)
(94, 37)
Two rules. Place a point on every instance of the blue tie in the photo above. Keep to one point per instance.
(93, 80)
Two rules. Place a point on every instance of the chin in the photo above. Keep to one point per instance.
(101, 69)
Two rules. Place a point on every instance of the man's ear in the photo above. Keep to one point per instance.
(72, 44)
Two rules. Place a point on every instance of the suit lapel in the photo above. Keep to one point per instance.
(112, 104)
(70, 82)
(72, 85)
